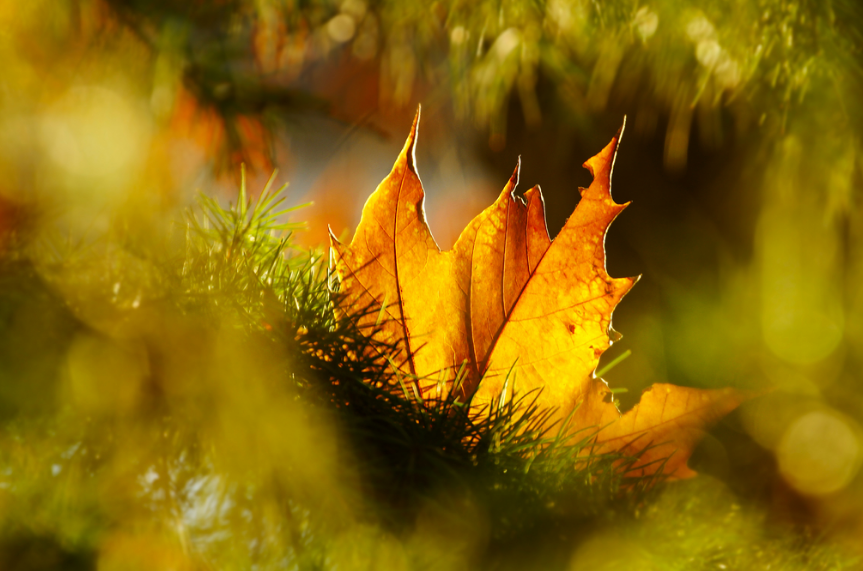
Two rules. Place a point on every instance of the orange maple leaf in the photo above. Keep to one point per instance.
(509, 304)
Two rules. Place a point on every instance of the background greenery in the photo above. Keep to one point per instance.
(175, 393)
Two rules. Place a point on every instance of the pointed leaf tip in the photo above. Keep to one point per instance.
(601, 167)
(509, 188)
(410, 145)
(616, 141)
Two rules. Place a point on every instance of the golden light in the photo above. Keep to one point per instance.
(819, 453)
(94, 133)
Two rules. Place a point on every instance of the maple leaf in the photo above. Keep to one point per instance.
(507, 303)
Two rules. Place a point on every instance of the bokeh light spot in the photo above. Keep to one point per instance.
(506, 42)
(819, 453)
(458, 35)
(700, 28)
(93, 132)
(646, 21)
(341, 28)
(707, 52)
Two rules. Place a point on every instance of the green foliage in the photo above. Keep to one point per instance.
(671, 62)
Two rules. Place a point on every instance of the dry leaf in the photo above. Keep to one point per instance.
(512, 306)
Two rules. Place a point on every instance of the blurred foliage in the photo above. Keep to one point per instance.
(199, 406)
(175, 391)
(242, 67)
